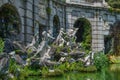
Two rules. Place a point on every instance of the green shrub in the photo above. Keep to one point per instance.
(1, 45)
(59, 49)
(70, 66)
(44, 71)
(100, 60)
(48, 10)
(73, 66)
(20, 72)
(64, 66)
(14, 69)
(13, 66)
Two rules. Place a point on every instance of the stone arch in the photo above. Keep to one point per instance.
(84, 33)
(116, 37)
(56, 26)
(10, 22)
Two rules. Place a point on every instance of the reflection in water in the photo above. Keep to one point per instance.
(110, 73)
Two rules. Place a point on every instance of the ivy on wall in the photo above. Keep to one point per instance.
(48, 10)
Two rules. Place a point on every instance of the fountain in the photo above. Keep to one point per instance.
(43, 54)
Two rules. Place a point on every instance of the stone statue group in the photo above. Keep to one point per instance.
(42, 53)
(44, 49)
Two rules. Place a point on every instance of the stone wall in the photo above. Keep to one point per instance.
(33, 16)
(28, 12)
(100, 18)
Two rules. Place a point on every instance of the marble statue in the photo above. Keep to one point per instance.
(43, 48)
(60, 40)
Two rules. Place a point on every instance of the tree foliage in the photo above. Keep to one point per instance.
(114, 3)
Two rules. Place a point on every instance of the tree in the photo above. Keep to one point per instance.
(114, 3)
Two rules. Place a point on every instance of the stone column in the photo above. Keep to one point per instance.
(97, 34)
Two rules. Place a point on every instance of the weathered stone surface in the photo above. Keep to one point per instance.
(19, 60)
(8, 46)
(71, 60)
(48, 63)
(4, 64)
(77, 54)
(63, 54)
(19, 46)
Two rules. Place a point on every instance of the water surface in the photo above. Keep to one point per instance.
(110, 73)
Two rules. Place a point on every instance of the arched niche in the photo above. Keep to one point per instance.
(56, 26)
(10, 23)
(83, 35)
